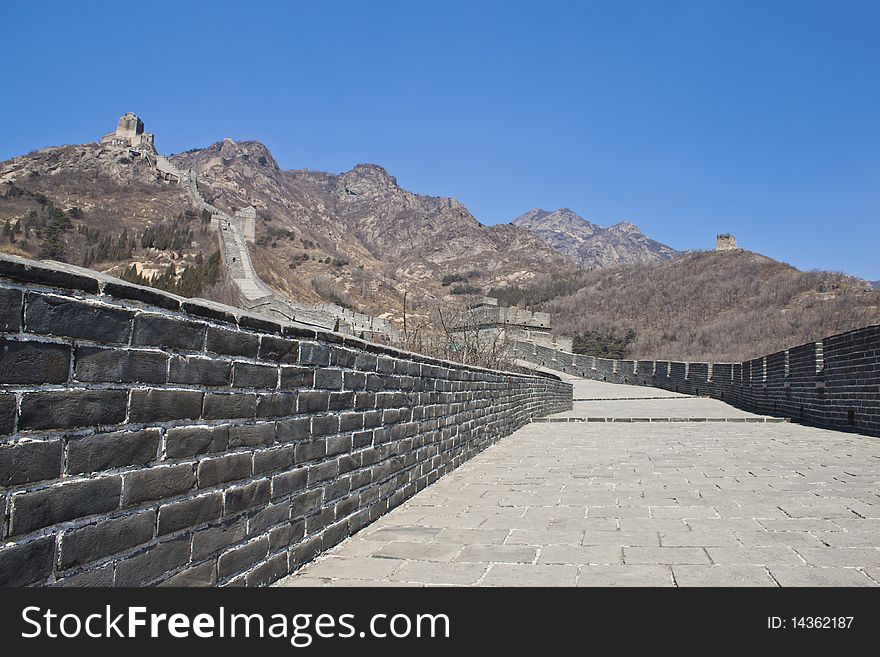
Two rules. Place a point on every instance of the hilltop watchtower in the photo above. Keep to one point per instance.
(129, 133)
(725, 242)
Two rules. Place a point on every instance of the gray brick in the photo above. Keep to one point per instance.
(28, 271)
(354, 380)
(181, 442)
(273, 459)
(341, 401)
(209, 541)
(239, 559)
(279, 350)
(10, 310)
(162, 405)
(152, 563)
(309, 451)
(286, 535)
(98, 577)
(239, 498)
(222, 469)
(269, 571)
(200, 371)
(119, 365)
(313, 402)
(189, 513)
(220, 406)
(289, 482)
(351, 422)
(338, 445)
(167, 332)
(297, 377)
(323, 425)
(8, 409)
(295, 429)
(26, 563)
(267, 517)
(50, 315)
(42, 508)
(29, 361)
(341, 357)
(112, 450)
(89, 543)
(321, 472)
(328, 379)
(157, 483)
(276, 404)
(68, 409)
(249, 375)
(205, 574)
(311, 353)
(232, 343)
(251, 435)
(306, 503)
(28, 461)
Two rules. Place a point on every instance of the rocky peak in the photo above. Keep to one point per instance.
(368, 179)
(591, 244)
(625, 228)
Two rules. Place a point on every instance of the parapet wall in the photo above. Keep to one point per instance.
(834, 383)
(149, 439)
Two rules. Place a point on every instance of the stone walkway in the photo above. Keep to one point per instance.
(608, 504)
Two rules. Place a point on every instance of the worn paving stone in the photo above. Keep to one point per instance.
(365, 568)
(565, 554)
(510, 574)
(419, 551)
(497, 553)
(629, 575)
(722, 575)
(427, 572)
(809, 576)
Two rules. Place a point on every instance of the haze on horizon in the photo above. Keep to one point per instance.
(687, 118)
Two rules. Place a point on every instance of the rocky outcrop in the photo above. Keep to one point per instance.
(591, 245)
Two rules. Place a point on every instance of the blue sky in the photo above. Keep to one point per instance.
(686, 118)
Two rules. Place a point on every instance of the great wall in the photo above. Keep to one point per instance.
(149, 439)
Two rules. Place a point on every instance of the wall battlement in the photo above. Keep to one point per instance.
(150, 439)
(834, 383)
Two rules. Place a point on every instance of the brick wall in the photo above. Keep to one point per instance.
(149, 439)
(834, 383)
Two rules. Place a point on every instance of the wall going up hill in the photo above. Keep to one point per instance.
(834, 383)
(149, 439)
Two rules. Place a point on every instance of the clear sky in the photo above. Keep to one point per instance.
(686, 118)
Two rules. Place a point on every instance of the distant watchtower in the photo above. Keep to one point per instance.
(725, 242)
(129, 133)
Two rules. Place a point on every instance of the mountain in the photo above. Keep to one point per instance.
(591, 245)
(721, 306)
(102, 207)
(356, 238)
(875, 284)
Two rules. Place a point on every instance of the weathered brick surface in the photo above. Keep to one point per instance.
(149, 440)
(30, 361)
(55, 315)
(119, 365)
(105, 451)
(70, 409)
(28, 461)
(89, 543)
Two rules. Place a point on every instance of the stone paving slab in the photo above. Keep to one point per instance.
(621, 504)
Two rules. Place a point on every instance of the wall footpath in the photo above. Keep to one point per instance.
(150, 439)
(834, 383)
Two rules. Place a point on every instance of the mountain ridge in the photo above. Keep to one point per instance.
(591, 245)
